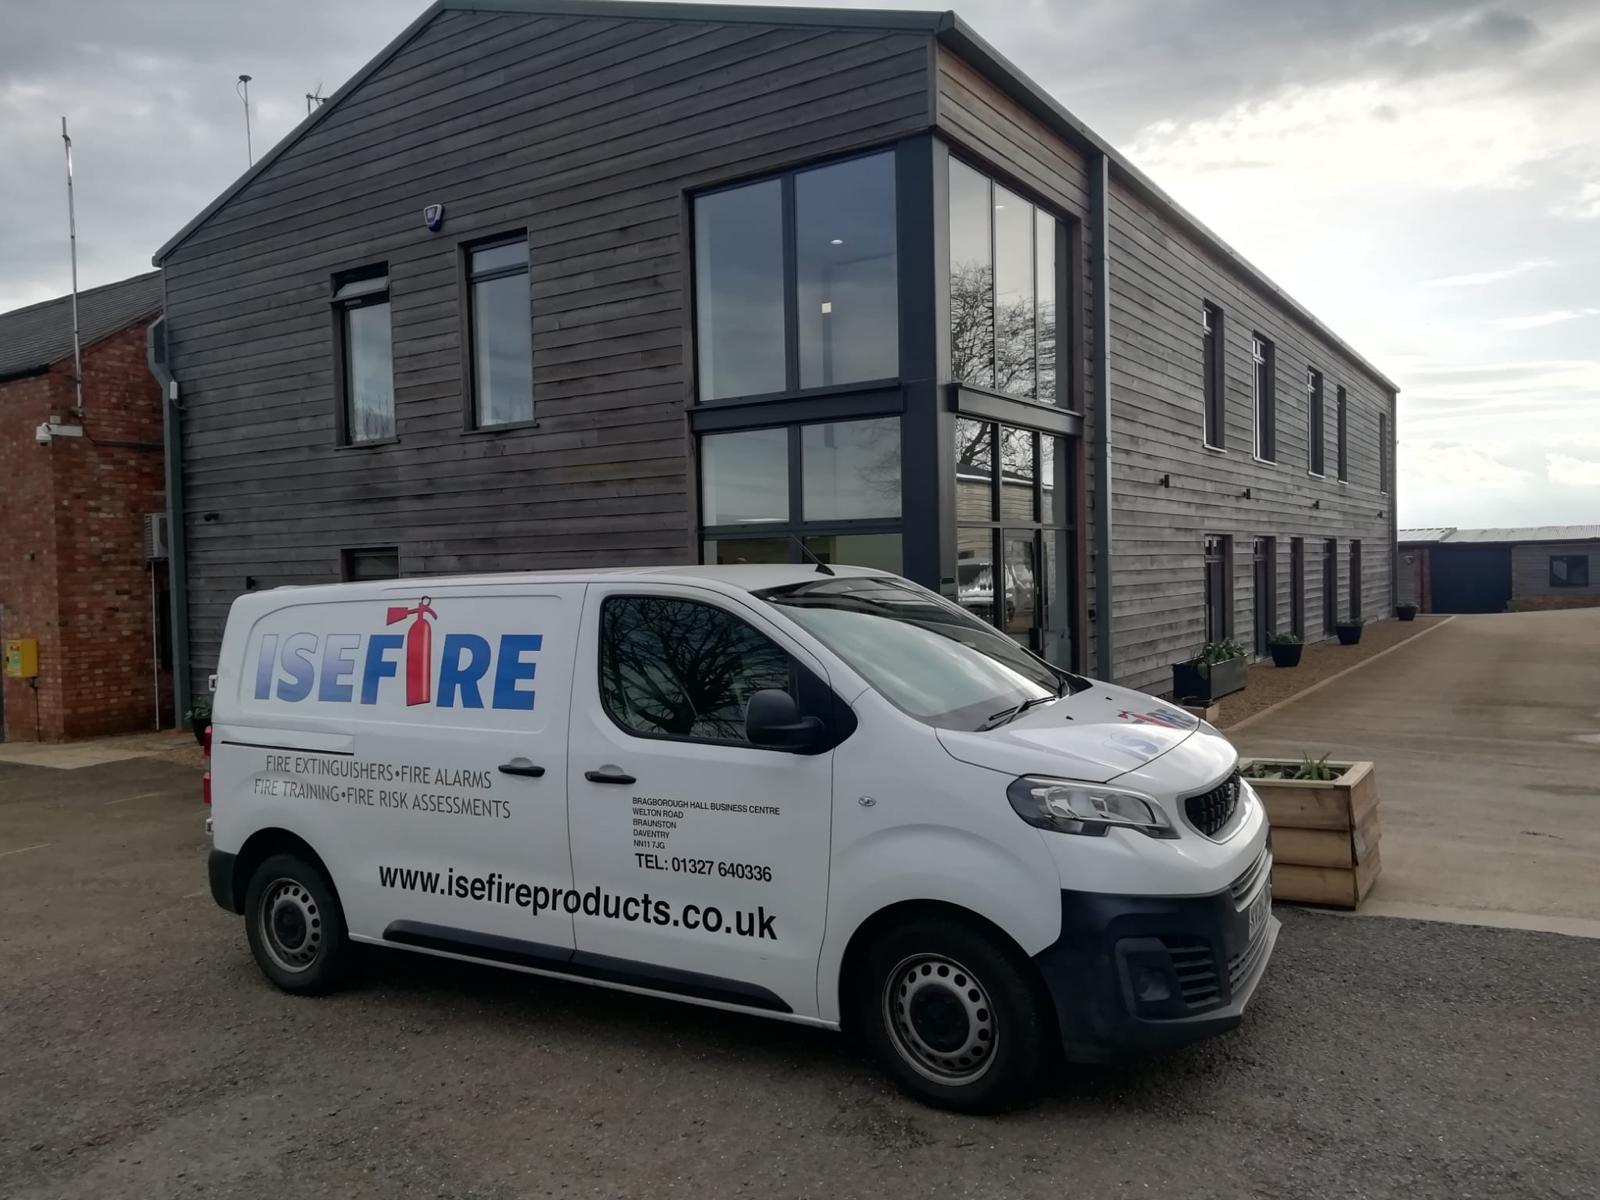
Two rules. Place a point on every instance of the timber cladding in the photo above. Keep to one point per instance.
(583, 131)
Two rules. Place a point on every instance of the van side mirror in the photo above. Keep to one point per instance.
(773, 719)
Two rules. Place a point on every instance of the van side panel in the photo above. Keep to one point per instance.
(374, 722)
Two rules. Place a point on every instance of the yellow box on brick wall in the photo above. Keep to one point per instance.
(22, 658)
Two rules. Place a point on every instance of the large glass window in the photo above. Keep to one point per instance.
(847, 275)
(744, 477)
(501, 322)
(851, 470)
(1015, 554)
(1264, 364)
(797, 281)
(838, 503)
(1003, 289)
(680, 669)
(367, 370)
(1315, 423)
(739, 292)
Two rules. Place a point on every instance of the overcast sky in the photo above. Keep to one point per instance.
(1422, 174)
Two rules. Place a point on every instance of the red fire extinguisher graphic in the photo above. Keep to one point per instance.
(419, 651)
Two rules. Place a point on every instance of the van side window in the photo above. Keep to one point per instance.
(682, 669)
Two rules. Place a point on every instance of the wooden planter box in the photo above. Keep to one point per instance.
(1206, 683)
(1324, 835)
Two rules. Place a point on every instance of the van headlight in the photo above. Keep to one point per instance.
(1086, 808)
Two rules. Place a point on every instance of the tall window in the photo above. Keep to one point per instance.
(501, 324)
(1314, 423)
(797, 281)
(1003, 289)
(1341, 433)
(1383, 452)
(1211, 366)
(1219, 587)
(1330, 584)
(1355, 580)
(366, 369)
(1264, 563)
(1264, 362)
(1014, 516)
(832, 487)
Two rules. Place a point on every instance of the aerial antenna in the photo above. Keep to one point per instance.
(72, 238)
(243, 89)
(315, 99)
(822, 567)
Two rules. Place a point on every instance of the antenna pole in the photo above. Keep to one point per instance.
(243, 88)
(72, 239)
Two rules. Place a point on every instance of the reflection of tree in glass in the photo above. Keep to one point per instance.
(683, 669)
(992, 346)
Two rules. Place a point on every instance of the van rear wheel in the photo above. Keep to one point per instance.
(954, 1015)
(295, 926)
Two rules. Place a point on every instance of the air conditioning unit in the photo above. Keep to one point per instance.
(156, 544)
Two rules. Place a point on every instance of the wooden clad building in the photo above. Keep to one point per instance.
(563, 282)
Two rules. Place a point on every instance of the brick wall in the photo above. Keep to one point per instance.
(72, 569)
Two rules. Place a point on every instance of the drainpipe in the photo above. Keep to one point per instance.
(1100, 342)
(156, 351)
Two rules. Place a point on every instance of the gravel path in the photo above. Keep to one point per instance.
(143, 1055)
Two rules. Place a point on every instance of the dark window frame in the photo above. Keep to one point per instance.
(1341, 425)
(1264, 606)
(1217, 572)
(466, 277)
(1316, 422)
(791, 281)
(349, 554)
(798, 684)
(1569, 560)
(1355, 579)
(1214, 392)
(341, 309)
(1330, 584)
(1297, 587)
(1383, 453)
(1264, 383)
(1068, 252)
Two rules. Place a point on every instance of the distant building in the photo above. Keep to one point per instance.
(1451, 570)
(77, 487)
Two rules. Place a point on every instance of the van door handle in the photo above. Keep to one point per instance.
(521, 766)
(609, 775)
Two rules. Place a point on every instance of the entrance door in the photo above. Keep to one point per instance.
(1265, 586)
(1330, 584)
(1021, 586)
(1470, 579)
(700, 861)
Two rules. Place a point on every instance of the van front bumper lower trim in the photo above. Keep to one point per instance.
(1139, 973)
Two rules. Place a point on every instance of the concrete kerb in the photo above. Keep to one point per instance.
(1334, 678)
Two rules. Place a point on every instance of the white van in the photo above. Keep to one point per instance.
(828, 796)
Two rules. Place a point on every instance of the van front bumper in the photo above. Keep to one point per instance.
(1139, 973)
(219, 873)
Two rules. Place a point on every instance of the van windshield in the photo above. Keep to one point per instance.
(930, 658)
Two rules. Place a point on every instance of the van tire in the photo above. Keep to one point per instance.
(954, 1014)
(295, 926)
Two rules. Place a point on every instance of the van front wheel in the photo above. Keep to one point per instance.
(955, 1016)
(295, 926)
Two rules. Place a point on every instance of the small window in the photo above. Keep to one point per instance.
(681, 669)
(1341, 433)
(377, 562)
(1315, 433)
(501, 333)
(1383, 453)
(1263, 358)
(1569, 570)
(366, 352)
(1215, 404)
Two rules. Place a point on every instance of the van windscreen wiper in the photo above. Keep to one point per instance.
(1011, 714)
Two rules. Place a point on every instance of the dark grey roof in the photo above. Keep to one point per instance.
(1525, 533)
(947, 27)
(34, 337)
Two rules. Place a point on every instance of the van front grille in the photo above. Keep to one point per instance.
(1210, 811)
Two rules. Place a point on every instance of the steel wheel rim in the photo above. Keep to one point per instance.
(940, 1019)
(290, 923)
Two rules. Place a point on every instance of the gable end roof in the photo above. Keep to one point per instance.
(33, 338)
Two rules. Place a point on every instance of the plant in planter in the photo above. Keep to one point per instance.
(1324, 818)
(1406, 612)
(198, 714)
(1217, 671)
(1349, 631)
(1286, 649)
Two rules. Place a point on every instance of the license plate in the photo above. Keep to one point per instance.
(1260, 910)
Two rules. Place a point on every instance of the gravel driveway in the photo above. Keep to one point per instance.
(141, 1055)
